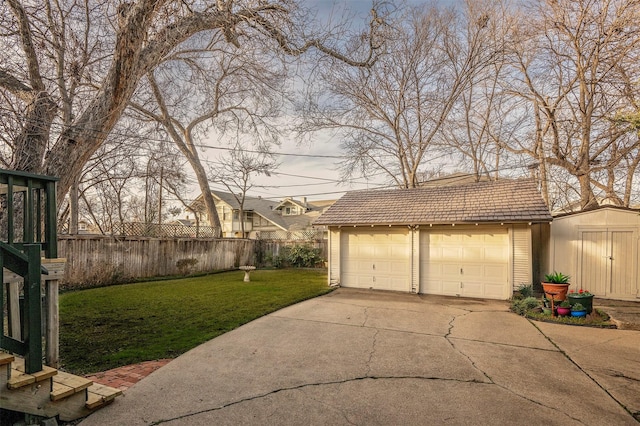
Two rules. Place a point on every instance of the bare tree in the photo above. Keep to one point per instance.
(390, 115)
(228, 90)
(125, 171)
(70, 68)
(482, 118)
(237, 170)
(568, 59)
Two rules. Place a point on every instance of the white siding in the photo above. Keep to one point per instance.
(521, 256)
(334, 256)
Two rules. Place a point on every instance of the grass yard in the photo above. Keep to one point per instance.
(108, 327)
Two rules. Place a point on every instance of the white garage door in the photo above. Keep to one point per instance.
(470, 263)
(376, 259)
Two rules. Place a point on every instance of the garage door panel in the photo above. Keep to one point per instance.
(472, 263)
(472, 254)
(450, 253)
(450, 269)
(497, 272)
(473, 289)
(450, 288)
(496, 254)
(472, 271)
(494, 291)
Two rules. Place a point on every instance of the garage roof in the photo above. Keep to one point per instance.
(483, 202)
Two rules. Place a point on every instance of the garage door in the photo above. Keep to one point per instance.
(376, 259)
(469, 263)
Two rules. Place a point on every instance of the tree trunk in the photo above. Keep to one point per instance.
(587, 198)
(73, 208)
(209, 202)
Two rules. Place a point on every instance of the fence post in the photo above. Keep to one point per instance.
(52, 341)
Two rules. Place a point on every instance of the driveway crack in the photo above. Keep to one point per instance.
(447, 338)
(309, 385)
(373, 351)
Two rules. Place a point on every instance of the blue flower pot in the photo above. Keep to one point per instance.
(578, 313)
(586, 301)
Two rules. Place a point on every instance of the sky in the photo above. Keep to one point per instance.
(308, 169)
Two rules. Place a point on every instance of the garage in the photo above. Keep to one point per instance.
(473, 240)
(468, 263)
(376, 259)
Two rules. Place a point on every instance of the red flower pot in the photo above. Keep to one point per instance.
(555, 291)
(563, 312)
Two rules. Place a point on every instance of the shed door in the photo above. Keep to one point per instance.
(377, 259)
(470, 263)
(607, 263)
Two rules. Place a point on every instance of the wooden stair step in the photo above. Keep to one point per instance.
(19, 378)
(99, 395)
(6, 358)
(65, 385)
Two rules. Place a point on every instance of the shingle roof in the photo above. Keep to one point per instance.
(483, 202)
(264, 207)
(267, 209)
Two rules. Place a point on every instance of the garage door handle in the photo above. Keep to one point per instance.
(461, 272)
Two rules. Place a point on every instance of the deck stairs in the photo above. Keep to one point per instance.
(49, 393)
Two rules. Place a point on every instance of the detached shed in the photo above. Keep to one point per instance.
(599, 250)
(474, 240)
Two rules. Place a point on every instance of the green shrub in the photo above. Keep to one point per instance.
(524, 291)
(297, 256)
(522, 306)
(304, 256)
(557, 278)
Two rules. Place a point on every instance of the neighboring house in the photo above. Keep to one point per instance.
(85, 227)
(476, 240)
(599, 249)
(183, 222)
(264, 218)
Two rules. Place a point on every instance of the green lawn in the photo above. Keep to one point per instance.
(108, 327)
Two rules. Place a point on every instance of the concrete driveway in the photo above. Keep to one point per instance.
(366, 358)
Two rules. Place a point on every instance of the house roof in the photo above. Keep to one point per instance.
(632, 210)
(289, 200)
(483, 202)
(262, 206)
(267, 209)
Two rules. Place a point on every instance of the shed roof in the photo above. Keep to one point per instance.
(483, 202)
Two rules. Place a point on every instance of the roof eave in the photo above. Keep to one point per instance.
(434, 223)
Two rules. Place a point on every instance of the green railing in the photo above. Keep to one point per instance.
(27, 231)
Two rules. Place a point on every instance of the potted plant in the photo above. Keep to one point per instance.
(577, 310)
(583, 297)
(555, 286)
(564, 308)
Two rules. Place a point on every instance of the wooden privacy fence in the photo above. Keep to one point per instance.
(96, 260)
